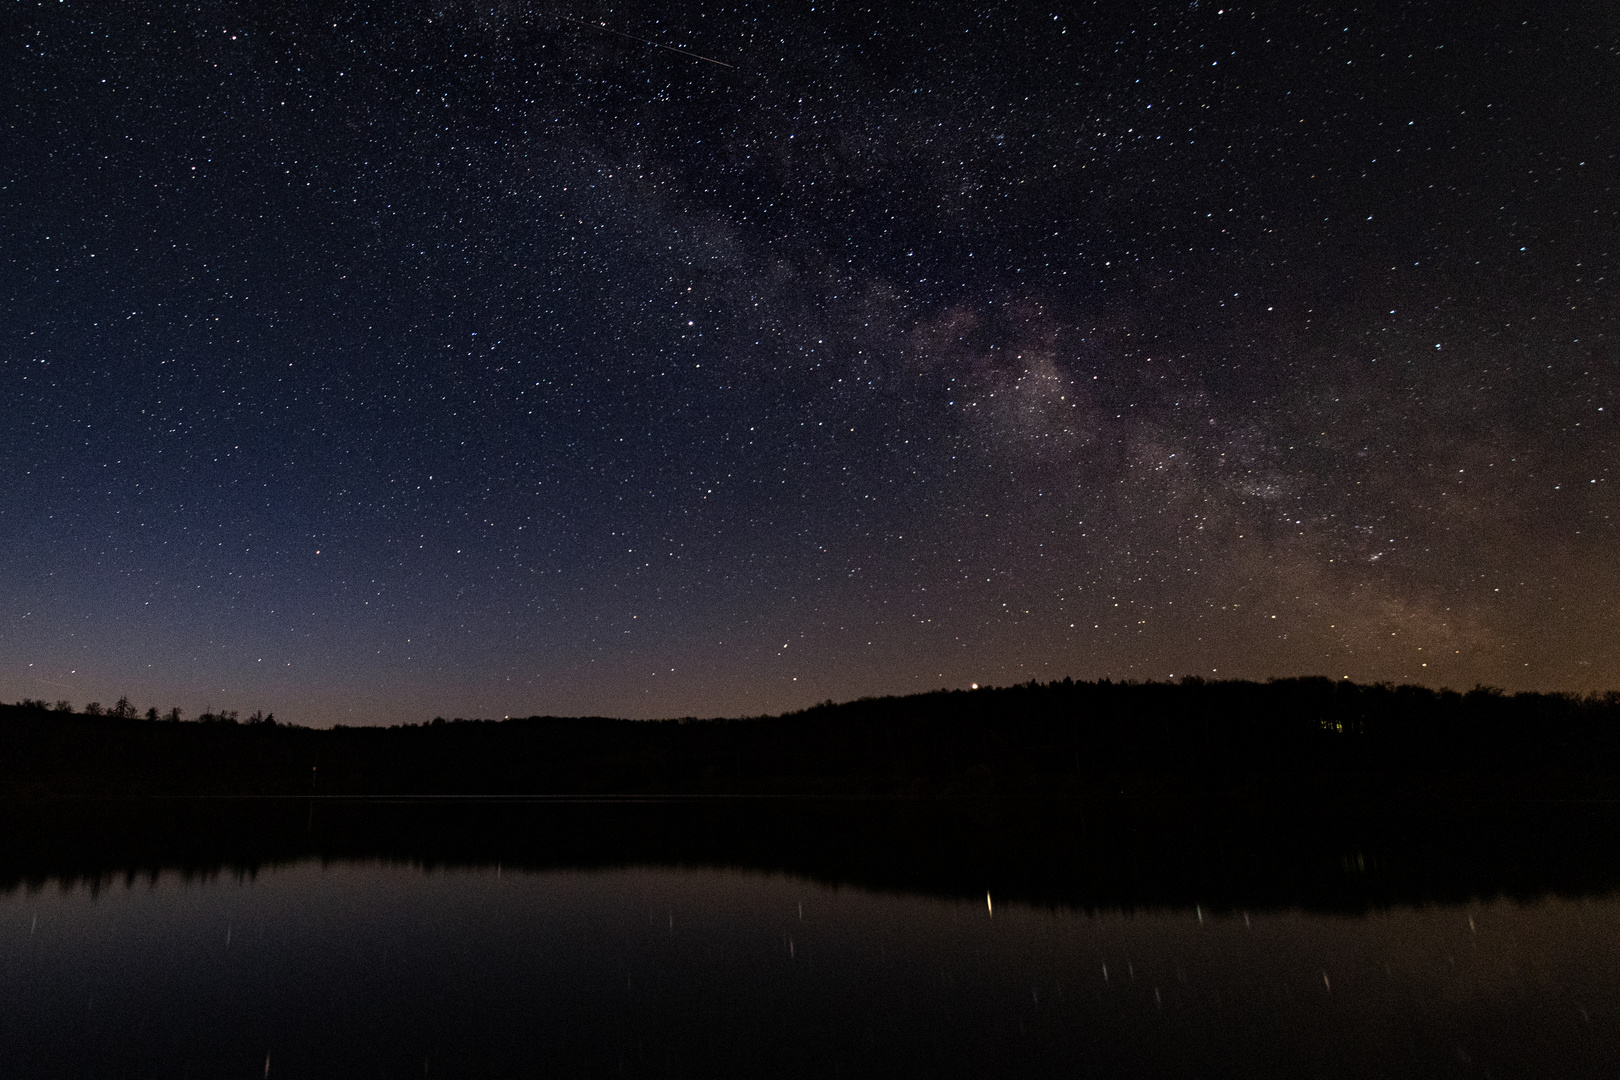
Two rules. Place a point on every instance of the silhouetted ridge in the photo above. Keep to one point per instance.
(1051, 738)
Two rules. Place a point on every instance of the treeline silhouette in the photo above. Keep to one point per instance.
(1054, 738)
(124, 709)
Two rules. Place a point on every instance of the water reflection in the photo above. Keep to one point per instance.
(355, 969)
(340, 955)
(1222, 854)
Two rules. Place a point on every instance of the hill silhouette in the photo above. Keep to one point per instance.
(1057, 738)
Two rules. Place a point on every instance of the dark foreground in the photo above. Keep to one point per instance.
(1298, 878)
(1220, 853)
(1119, 937)
(1057, 739)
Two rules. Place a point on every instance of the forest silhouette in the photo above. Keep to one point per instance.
(1057, 738)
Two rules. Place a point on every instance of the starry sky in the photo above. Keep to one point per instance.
(365, 362)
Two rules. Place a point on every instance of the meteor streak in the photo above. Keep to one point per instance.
(606, 29)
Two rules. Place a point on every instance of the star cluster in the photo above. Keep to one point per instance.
(364, 362)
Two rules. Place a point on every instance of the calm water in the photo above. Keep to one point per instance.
(374, 970)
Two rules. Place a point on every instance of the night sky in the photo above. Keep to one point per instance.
(363, 362)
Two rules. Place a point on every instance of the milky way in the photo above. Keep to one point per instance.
(366, 362)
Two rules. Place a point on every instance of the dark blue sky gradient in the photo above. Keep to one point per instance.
(367, 362)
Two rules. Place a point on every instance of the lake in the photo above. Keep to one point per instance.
(302, 940)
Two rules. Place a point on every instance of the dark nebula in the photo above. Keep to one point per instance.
(362, 362)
